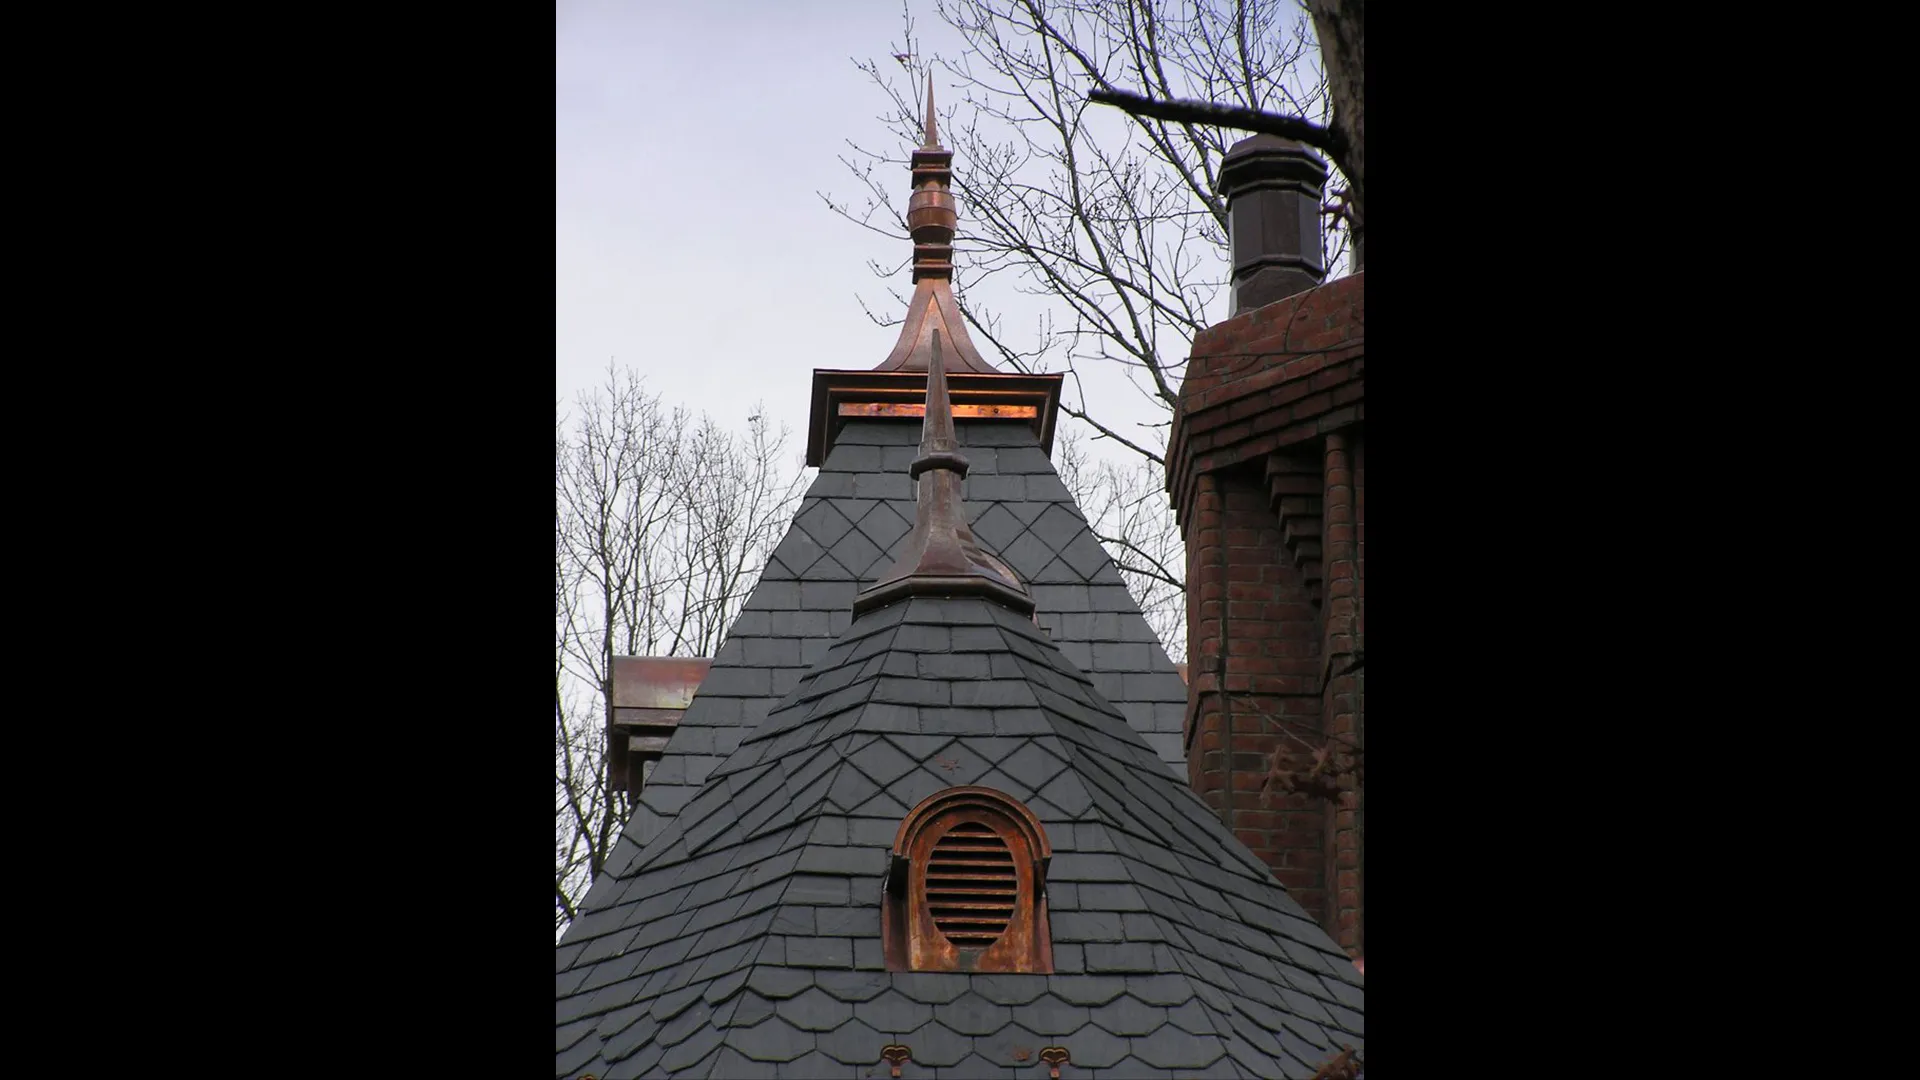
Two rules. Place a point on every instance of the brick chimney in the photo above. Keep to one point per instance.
(1274, 189)
(1266, 467)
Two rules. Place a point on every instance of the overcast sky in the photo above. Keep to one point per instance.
(690, 243)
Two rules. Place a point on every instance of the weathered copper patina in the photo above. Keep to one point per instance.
(649, 695)
(842, 395)
(940, 557)
(966, 888)
(917, 409)
(932, 218)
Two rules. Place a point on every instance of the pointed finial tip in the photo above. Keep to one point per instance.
(932, 127)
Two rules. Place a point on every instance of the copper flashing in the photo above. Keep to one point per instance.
(940, 557)
(918, 410)
(839, 396)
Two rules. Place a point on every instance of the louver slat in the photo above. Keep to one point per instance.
(971, 885)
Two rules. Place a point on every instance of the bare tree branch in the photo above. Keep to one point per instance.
(1257, 121)
(662, 524)
(1110, 219)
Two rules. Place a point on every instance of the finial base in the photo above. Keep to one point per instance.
(889, 592)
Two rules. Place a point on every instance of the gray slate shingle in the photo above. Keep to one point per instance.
(749, 938)
(845, 534)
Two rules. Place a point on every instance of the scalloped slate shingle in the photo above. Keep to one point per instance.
(744, 941)
(843, 537)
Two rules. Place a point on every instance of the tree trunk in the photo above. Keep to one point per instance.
(1341, 27)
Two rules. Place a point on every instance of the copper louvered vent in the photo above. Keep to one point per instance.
(971, 885)
(966, 887)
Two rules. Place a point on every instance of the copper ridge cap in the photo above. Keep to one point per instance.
(932, 217)
(941, 556)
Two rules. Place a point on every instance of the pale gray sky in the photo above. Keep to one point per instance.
(690, 243)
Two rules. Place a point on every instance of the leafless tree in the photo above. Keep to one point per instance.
(662, 523)
(1341, 26)
(1325, 765)
(1111, 218)
(1125, 504)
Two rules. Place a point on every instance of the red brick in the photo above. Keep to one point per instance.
(1284, 378)
(1329, 377)
(1340, 418)
(1313, 406)
(1286, 393)
(1302, 368)
(1246, 406)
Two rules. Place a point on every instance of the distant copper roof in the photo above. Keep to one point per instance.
(657, 682)
(649, 695)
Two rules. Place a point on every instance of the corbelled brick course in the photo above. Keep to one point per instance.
(1265, 467)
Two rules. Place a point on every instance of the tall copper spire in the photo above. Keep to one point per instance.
(893, 389)
(931, 218)
(940, 557)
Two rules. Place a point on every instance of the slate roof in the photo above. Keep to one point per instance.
(843, 538)
(745, 940)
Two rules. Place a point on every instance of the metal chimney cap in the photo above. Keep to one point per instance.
(1270, 161)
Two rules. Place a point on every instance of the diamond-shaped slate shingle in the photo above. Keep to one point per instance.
(847, 533)
(745, 939)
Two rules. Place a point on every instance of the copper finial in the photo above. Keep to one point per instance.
(932, 219)
(941, 556)
(932, 127)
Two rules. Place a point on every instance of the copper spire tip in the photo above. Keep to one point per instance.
(932, 126)
(932, 216)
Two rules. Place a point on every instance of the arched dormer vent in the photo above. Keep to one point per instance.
(966, 886)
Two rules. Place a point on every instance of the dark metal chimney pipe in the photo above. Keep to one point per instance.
(1274, 189)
